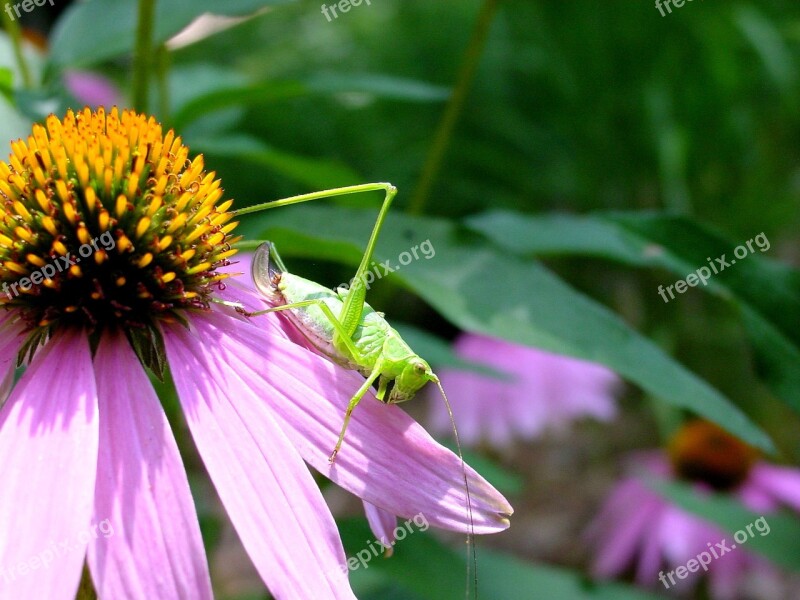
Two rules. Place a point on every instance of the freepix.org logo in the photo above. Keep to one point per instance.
(26, 5)
(718, 550)
(58, 265)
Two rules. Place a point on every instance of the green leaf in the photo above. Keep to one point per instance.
(767, 41)
(482, 290)
(780, 543)
(432, 571)
(503, 576)
(766, 293)
(372, 86)
(96, 30)
(316, 173)
(379, 85)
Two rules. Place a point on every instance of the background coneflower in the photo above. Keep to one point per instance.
(533, 391)
(639, 529)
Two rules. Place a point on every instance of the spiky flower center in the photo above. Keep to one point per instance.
(703, 451)
(107, 222)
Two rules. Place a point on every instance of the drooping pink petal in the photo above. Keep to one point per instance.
(148, 542)
(627, 515)
(470, 389)
(683, 536)
(650, 558)
(48, 444)
(387, 458)
(757, 499)
(268, 492)
(382, 524)
(541, 391)
(782, 483)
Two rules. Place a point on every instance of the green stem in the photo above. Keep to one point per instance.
(14, 32)
(143, 54)
(163, 64)
(444, 131)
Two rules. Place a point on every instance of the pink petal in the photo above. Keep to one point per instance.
(149, 544)
(650, 560)
(754, 497)
(382, 524)
(387, 458)
(92, 89)
(542, 391)
(271, 498)
(629, 516)
(48, 444)
(783, 483)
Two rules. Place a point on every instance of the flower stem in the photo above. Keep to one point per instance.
(444, 131)
(163, 64)
(14, 32)
(143, 54)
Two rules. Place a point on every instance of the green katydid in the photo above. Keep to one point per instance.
(343, 327)
(339, 323)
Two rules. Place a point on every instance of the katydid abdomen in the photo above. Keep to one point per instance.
(375, 341)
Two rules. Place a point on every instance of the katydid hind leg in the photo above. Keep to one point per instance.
(356, 354)
(354, 303)
(332, 193)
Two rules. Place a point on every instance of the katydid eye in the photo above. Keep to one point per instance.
(420, 368)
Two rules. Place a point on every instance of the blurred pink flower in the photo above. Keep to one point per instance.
(92, 89)
(540, 391)
(637, 528)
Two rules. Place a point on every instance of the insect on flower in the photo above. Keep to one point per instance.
(339, 323)
(342, 326)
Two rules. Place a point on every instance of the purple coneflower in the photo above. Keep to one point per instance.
(112, 248)
(533, 391)
(639, 529)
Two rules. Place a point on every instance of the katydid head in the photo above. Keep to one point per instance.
(415, 374)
